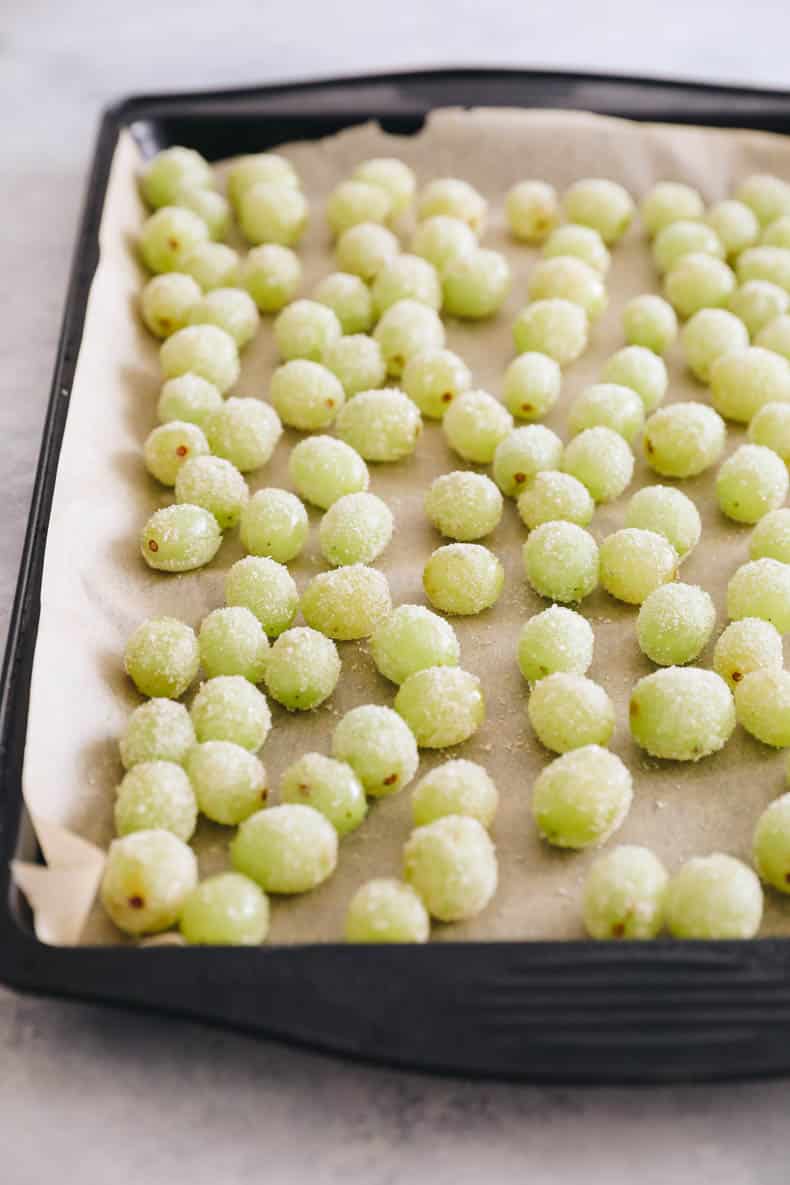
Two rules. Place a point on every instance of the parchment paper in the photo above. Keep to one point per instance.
(96, 588)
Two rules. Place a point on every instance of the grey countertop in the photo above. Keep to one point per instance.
(140, 1098)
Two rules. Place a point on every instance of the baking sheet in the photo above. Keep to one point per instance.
(95, 588)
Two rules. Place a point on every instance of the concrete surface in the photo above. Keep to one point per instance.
(141, 1099)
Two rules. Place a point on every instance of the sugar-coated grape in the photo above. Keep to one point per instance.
(776, 336)
(681, 713)
(475, 424)
(406, 277)
(777, 233)
(771, 428)
(324, 469)
(442, 240)
(684, 439)
(532, 210)
(304, 329)
(457, 199)
(229, 708)
(674, 624)
(228, 780)
(607, 405)
(166, 173)
(561, 561)
(475, 284)
(225, 910)
(735, 224)
(442, 706)
(382, 425)
(302, 669)
(771, 844)
(566, 277)
(355, 529)
(668, 512)
(668, 202)
(681, 238)
(582, 797)
(244, 432)
(205, 350)
(290, 848)
(349, 299)
(271, 274)
(386, 910)
(699, 281)
(411, 639)
(771, 537)
(602, 204)
(166, 301)
(365, 249)
(757, 303)
(328, 786)
(433, 379)
(258, 167)
(209, 205)
(713, 897)
(767, 196)
(650, 321)
(379, 746)
(154, 795)
(523, 454)
(212, 265)
(557, 639)
(407, 328)
(553, 495)
(463, 505)
(457, 787)
(452, 864)
(745, 646)
(168, 236)
(743, 381)
(568, 710)
(641, 370)
(624, 894)
(583, 242)
(762, 705)
(751, 482)
(232, 309)
(180, 538)
(531, 385)
(306, 395)
(554, 327)
(147, 878)
(169, 446)
(357, 362)
(266, 588)
(273, 213)
(634, 562)
(347, 603)
(601, 460)
(188, 398)
(761, 589)
(765, 263)
(463, 578)
(158, 730)
(214, 484)
(162, 657)
(274, 523)
(393, 176)
(353, 202)
(232, 642)
(708, 335)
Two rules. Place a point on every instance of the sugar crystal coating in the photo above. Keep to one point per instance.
(771, 427)
(777, 233)
(411, 639)
(674, 624)
(180, 538)
(304, 329)
(457, 787)
(599, 203)
(475, 284)
(214, 484)
(684, 439)
(170, 170)
(463, 578)
(566, 277)
(650, 322)
(271, 274)
(188, 398)
(302, 669)
(406, 277)
(229, 708)
(267, 589)
(306, 395)
(524, 453)
(624, 894)
(229, 782)
(167, 447)
(776, 336)
(324, 469)
(379, 747)
(168, 236)
(757, 303)
(365, 249)
(714, 897)
(355, 529)
(433, 379)
(743, 381)
(735, 224)
(407, 328)
(442, 706)
(607, 405)
(771, 537)
(274, 523)
(531, 385)
(642, 371)
(272, 212)
(771, 844)
(147, 877)
(554, 327)
(347, 603)
(745, 646)
(452, 864)
(474, 424)
(762, 705)
(158, 730)
(382, 425)
(153, 795)
(166, 301)
(357, 362)
(232, 642)
(386, 910)
(766, 195)
(681, 713)
(551, 496)
(162, 657)
(442, 239)
(668, 512)
(561, 561)
(581, 798)
(244, 432)
(667, 202)
(393, 176)
(353, 202)
(558, 639)
(463, 505)
(751, 482)
(205, 350)
(634, 562)
(258, 167)
(583, 242)
(290, 848)
(455, 198)
(681, 238)
(761, 588)
(214, 266)
(329, 786)
(349, 299)
(601, 460)
(225, 910)
(568, 711)
(698, 281)
(765, 263)
(531, 209)
(708, 335)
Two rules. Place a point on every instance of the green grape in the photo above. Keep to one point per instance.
(475, 284)
(456, 199)
(735, 224)
(771, 537)
(442, 240)
(566, 277)
(681, 238)
(475, 424)
(668, 512)
(229, 708)
(641, 370)
(406, 277)
(180, 538)
(771, 427)
(357, 362)
(650, 322)
(776, 336)
(258, 167)
(607, 405)
(347, 603)
(302, 669)
(624, 894)
(767, 196)
(156, 795)
(205, 350)
(214, 484)
(393, 176)
(452, 864)
(457, 787)
(170, 446)
(209, 205)
(551, 496)
(601, 460)
(324, 469)
(229, 781)
(442, 706)
(635, 562)
(668, 202)
(713, 897)
(274, 523)
(601, 204)
(771, 844)
(212, 265)
(523, 454)
(171, 169)
(305, 329)
(777, 233)
(532, 210)
(162, 657)
(231, 309)
(708, 335)
(385, 910)
(762, 705)
(232, 642)
(286, 849)
(411, 639)
(554, 327)
(147, 877)
(244, 432)
(743, 381)
(158, 730)
(684, 439)
(270, 212)
(272, 275)
(306, 395)
(349, 299)
(353, 202)
(379, 747)
(433, 379)
(188, 398)
(581, 798)
(168, 236)
(745, 646)
(266, 588)
(464, 506)
(166, 301)
(407, 328)
(355, 529)
(583, 242)
(556, 640)
(699, 281)
(531, 385)
(761, 589)
(765, 263)
(329, 786)
(561, 561)
(681, 713)
(225, 910)
(382, 425)
(463, 578)
(751, 482)
(568, 710)
(365, 249)
(675, 623)
(757, 303)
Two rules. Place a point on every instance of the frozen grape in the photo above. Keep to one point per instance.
(524, 453)
(274, 523)
(442, 706)
(762, 705)
(156, 795)
(209, 205)
(767, 196)
(357, 362)
(668, 202)
(393, 176)
(745, 380)
(641, 370)
(270, 212)
(205, 350)
(365, 249)
(582, 797)
(244, 432)
(463, 506)
(601, 460)
(650, 322)
(180, 538)
(556, 640)
(147, 878)
(607, 405)
(411, 639)
(406, 277)
(290, 848)
(668, 512)
(378, 746)
(355, 529)
(777, 233)
(158, 730)
(554, 327)
(442, 240)
(675, 623)
(347, 603)
(474, 424)
(231, 309)
(386, 910)
(776, 336)
(745, 646)
(457, 787)
(169, 446)
(708, 335)
(751, 482)
(452, 864)
(583, 242)
(329, 786)
(681, 713)
(382, 425)
(433, 379)
(714, 897)
(229, 781)
(168, 236)
(304, 329)
(214, 484)
(212, 265)
(566, 277)
(771, 537)
(475, 284)
(624, 894)
(258, 167)
(758, 302)
(162, 657)
(684, 439)
(771, 264)
(302, 669)
(735, 224)
(407, 328)
(568, 710)
(306, 395)
(188, 398)
(166, 301)
(532, 210)
(771, 427)
(602, 204)
(171, 169)
(266, 588)
(225, 910)
(681, 238)
(531, 385)
(552, 495)
(349, 299)
(324, 469)
(353, 202)
(232, 642)
(229, 708)
(699, 281)
(561, 561)
(771, 844)
(634, 562)
(761, 589)
(272, 275)
(457, 199)
(463, 578)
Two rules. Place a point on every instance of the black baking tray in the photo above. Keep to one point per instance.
(539, 1011)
